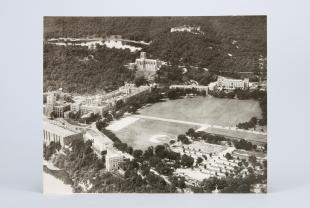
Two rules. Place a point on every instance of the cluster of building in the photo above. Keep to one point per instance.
(60, 132)
(222, 83)
(55, 103)
(96, 104)
(214, 163)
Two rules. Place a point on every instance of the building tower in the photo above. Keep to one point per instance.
(143, 55)
(246, 83)
(50, 103)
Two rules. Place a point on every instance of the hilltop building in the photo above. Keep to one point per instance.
(146, 67)
(145, 64)
(187, 28)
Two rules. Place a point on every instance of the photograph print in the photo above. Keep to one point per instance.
(155, 104)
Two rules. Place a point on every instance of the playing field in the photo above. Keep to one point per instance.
(144, 132)
(180, 115)
(211, 110)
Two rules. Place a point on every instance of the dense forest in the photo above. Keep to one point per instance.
(199, 50)
(77, 69)
(227, 46)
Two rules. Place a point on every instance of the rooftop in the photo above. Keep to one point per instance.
(101, 138)
(57, 129)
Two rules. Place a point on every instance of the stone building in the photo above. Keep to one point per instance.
(55, 133)
(113, 159)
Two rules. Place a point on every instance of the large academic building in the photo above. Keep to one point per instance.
(55, 133)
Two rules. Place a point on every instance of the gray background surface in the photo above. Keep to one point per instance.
(21, 24)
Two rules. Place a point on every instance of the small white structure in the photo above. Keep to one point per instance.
(186, 28)
(232, 84)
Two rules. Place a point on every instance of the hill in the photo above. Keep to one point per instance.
(77, 69)
(228, 45)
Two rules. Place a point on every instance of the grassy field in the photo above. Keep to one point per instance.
(144, 133)
(225, 112)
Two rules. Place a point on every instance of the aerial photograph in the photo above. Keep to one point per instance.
(154, 104)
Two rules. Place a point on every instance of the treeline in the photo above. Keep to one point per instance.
(177, 93)
(220, 139)
(249, 124)
(169, 75)
(230, 184)
(77, 69)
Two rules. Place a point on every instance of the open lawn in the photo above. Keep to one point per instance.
(144, 132)
(158, 123)
(210, 110)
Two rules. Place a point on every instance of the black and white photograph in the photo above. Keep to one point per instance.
(154, 104)
(151, 104)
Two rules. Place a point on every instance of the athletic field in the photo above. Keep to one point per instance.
(159, 123)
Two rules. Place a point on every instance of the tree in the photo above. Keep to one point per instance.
(149, 152)
(199, 160)
(253, 120)
(187, 161)
(129, 150)
(101, 124)
(228, 156)
(119, 104)
(172, 141)
(191, 132)
(183, 139)
(172, 94)
(137, 154)
(160, 151)
(253, 160)
(140, 81)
